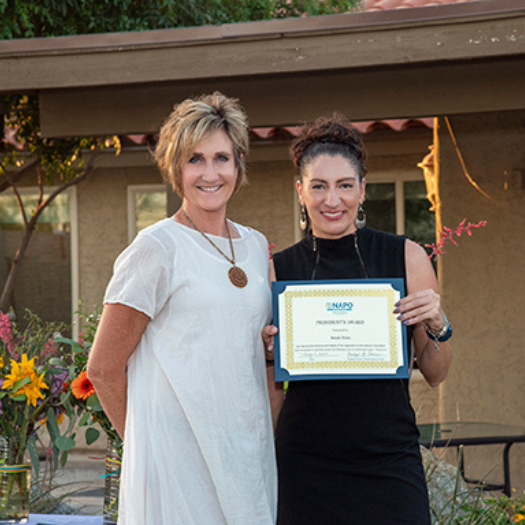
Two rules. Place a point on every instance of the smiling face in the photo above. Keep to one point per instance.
(331, 192)
(208, 178)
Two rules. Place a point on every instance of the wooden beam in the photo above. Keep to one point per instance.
(432, 89)
(299, 46)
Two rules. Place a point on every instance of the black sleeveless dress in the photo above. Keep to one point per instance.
(347, 450)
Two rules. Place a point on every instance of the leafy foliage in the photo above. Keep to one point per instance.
(33, 392)
(57, 157)
(88, 406)
(30, 19)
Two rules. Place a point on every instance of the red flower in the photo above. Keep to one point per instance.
(82, 387)
(448, 235)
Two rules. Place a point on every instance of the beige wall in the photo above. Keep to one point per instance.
(267, 204)
(483, 284)
(43, 284)
(103, 224)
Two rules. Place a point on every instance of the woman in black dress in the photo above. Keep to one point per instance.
(347, 450)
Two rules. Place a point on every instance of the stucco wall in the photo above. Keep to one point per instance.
(103, 224)
(482, 279)
(267, 203)
(44, 282)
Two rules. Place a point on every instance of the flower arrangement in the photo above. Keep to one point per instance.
(89, 408)
(43, 379)
(34, 399)
(33, 388)
(83, 395)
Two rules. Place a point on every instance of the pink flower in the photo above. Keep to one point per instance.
(6, 334)
(448, 235)
(49, 348)
(5, 328)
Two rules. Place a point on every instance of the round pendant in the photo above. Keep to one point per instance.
(238, 277)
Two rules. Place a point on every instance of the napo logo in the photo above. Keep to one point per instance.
(339, 307)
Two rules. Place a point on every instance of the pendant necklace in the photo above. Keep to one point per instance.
(236, 275)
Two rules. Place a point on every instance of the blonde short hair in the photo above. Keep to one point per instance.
(191, 121)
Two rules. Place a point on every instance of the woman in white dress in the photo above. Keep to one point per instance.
(178, 360)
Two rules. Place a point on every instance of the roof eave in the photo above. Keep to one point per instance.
(366, 39)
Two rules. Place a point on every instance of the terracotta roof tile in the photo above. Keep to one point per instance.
(365, 126)
(383, 5)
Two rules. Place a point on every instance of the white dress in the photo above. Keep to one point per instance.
(198, 438)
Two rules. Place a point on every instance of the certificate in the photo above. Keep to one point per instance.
(339, 330)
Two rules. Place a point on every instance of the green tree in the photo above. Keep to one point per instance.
(34, 18)
(69, 161)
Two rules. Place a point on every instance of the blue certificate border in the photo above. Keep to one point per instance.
(281, 374)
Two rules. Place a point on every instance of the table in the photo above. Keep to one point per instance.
(460, 434)
(55, 519)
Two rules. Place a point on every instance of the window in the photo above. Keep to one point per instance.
(147, 204)
(420, 223)
(396, 202)
(45, 280)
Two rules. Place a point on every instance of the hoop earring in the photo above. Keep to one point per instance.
(303, 219)
(360, 223)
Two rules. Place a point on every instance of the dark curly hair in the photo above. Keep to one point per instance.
(329, 136)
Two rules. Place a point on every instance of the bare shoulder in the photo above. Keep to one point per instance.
(414, 252)
(420, 273)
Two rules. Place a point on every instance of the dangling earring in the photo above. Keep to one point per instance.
(360, 223)
(303, 219)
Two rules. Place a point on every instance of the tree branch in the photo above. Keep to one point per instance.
(17, 176)
(18, 198)
(72, 182)
(29, 228)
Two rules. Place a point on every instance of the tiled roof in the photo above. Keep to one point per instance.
(383, 5)
(365, 126)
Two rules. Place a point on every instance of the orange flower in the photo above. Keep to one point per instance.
(59, 418)
(82, 387)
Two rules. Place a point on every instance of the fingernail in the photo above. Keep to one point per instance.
(407, 322)
(400, 317)
(397, 304)
(396, 310)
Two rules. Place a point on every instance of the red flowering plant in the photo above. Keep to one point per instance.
(33, 390)
(448, 234)
(82, 393)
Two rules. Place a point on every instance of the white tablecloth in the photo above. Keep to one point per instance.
(55, 519)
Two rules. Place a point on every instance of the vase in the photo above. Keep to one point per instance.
(112, 486)
(15, 482)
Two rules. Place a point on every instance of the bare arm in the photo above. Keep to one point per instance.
(423, 305)
(118, 334)
(275, 390)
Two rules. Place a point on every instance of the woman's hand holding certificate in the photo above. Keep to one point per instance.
(339, 330)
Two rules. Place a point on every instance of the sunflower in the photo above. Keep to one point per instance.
(25, 369)
(82, 387)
